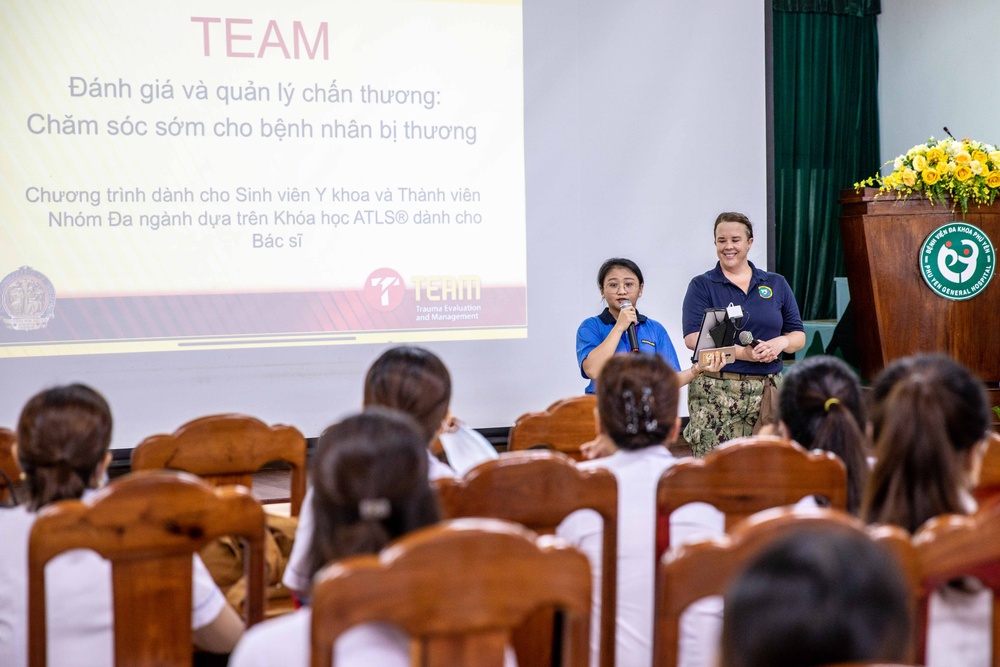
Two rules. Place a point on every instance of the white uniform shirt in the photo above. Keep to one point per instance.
(638, 473)
(285, 641)
(78, 605)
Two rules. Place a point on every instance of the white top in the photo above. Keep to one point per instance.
(78, 598)
(285, 641)
(960, 631)
(465, 449)
(296, 576)
(638, 473)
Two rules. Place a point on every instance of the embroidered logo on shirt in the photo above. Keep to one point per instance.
(765, 292)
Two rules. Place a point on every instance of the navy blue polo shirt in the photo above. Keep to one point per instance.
(653, 339)
(769, 310)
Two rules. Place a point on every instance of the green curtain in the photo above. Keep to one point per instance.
(825, 135)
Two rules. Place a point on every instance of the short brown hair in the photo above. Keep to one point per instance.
(414, 381)
(63, 434)
(733, 216)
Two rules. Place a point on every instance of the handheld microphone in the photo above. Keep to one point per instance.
(633, 337)
(747, 338)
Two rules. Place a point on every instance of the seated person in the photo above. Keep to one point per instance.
(369, 487)
(409, 379)
(820, 407)
(63, 436)
(637, 397)
(930, 418)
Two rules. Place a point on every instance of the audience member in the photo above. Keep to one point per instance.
(637, 397)
(63, 436)
(930, 418)
(409, 379)
(370, 486)
(817, 598)
(820, 407)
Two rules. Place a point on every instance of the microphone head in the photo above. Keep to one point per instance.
(625, 304)
(746, 338)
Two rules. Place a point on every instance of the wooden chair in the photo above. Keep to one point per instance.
(8, 464)
(148, 525)
(701, 569)
(563, 426)
(539, 489)
(950, 547)
(227, 449)
(988, 488)
(467, 584)
(747, 475)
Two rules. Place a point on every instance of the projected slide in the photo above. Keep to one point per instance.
(200, 175)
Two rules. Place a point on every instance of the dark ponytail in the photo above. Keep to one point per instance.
(930, 413)
(370, 485)
(820, 404)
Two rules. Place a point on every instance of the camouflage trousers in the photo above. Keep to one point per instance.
(721, 410)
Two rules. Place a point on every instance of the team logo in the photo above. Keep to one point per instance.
(765, 292)
(384, 289)
(956, 261)
(27, 300)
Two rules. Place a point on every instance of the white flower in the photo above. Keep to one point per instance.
(976, 167)
(989, 148)
(897, 164)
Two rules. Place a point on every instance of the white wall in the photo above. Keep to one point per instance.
(643, 120)
(938, 67)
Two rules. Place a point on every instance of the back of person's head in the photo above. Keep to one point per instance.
(369, 485)
(817, 598)
(63, 436)
(820, 405)
(637, 397)
(412, 380)
(930, 415)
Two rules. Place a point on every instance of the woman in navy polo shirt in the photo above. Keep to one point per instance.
(601, 337)
(728, 404)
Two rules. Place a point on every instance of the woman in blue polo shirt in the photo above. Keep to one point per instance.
(728, 404)
(601, 337)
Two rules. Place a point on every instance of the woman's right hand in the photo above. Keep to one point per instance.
(626, 316)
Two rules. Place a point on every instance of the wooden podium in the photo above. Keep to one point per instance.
(896, 312)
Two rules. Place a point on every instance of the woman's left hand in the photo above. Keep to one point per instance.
(769, 350)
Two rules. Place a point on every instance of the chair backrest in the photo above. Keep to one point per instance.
(563, 426)
(701, 569)
(148, 525)
(227, 449)
(539, 489)
(954, 546)
(988, 487)
(747, 475)
(8, 464)
(467, 583)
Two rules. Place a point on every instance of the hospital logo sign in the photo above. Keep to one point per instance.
(957, 260)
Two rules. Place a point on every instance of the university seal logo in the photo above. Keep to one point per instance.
(27, 300)
(957, 260)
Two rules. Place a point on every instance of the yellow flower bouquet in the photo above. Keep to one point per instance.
(961, 170)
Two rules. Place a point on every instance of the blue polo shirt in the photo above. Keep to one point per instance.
(653, 339)
(769, 310)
